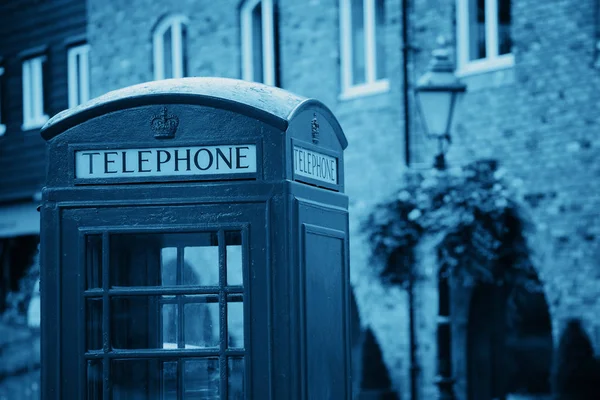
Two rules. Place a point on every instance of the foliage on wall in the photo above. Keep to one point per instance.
(473, 214)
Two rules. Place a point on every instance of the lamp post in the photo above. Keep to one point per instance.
(436, 93)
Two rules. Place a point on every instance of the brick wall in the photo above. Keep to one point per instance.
(539, 119)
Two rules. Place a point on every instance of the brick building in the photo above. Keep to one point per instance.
(530, 67)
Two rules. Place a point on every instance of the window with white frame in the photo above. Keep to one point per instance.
(484, 35)
(363, 47)
(78, 74)
(34, 113)
(258, 41)
(169, 47)
(2, 126)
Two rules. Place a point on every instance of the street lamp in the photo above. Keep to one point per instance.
(436, 93)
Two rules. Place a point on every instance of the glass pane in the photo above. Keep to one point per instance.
(153, 322)
(201, 315)
(135, 322)
(201, 379)
(201, 265)
(168, 265)
(136, 379)
(170, 323)
(435, 108)
(257, 43)
(135, 260)
(184, 48)
(358, 42)
(235, 371)
(93, 318)
(78, 77)
(93, 261)
(168, 52)
(233, 243)
(504, 39)
(164, 259)
(380, 38)
(94, 380)
(235, 324)
(476, 29)
(170, 380)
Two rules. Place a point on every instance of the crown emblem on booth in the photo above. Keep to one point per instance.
(164, 125)
(314, 124)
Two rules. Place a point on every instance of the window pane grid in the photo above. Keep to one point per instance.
(223, 313)
(226, 358)
(169, 48)
(106, 315)
(484, 34)
(363, 45)
(142, 291)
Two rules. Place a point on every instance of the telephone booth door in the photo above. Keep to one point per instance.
(165, 306)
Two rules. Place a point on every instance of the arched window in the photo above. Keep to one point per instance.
(362, 36)
(169, 47)
(258, 41)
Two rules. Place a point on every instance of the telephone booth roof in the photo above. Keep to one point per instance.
(269, 104)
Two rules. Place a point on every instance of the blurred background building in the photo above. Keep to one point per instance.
(532, 103)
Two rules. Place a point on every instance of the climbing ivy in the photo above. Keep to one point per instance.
(474, 217)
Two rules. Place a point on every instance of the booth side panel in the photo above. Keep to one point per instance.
(71, 338)
(50, 302)
(323, 280)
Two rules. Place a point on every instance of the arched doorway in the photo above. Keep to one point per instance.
(509, 343)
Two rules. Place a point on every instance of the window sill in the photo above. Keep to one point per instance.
(366, 89)
(36, 124)
(486, 65)
(2, 129)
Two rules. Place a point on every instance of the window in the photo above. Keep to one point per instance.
(78, 70)
(362, 47)
(483, 37)
(2, 126)
(258, 42)
(169, 45)
(34, 115)
(164, 315)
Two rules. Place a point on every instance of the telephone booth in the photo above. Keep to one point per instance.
(194, 245)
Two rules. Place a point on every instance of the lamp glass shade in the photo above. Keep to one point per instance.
(436, 110)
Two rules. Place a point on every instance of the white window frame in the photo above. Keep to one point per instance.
(493, 60)
(2, 126)
(33, 93)
(268, 40)
(78, 75)
(371, 85)
(176, 24)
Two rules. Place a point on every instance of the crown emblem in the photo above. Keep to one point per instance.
(164, 125)
(314, 124)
